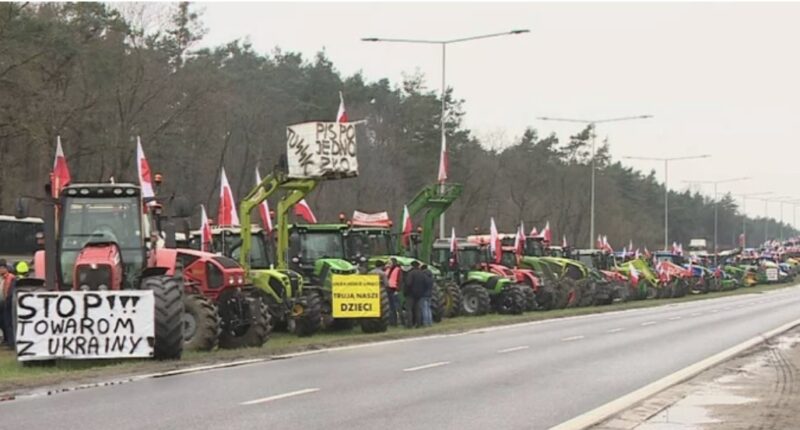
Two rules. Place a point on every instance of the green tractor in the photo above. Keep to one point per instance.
(481, 291)
(612, 286)
(318, 252)
(560, 277)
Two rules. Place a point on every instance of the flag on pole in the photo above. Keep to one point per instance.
(564, 241)
(443, 164)
(519, 242)
(599, 242)
(742, 241)
(205, 231)
(341, 116)
(634, 276)
(407, 227)
(630, 245)
(303, 210)
(547, 235)
(143, 167)
(226, 212)
(60, 176)
(453, 248)
(534, 233)
(263, 208)
(494, 242)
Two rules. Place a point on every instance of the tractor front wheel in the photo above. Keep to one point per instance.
(168, 295)
(474, 300)
(570, 294)
(200, 323)
(245, 321)
(511, 301)
(530, 297)
(451, 299)
(307, 314)
(380, 324)
(437, 303)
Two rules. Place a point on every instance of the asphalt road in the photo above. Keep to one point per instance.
(526, 376)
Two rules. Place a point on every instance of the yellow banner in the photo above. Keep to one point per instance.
(356, 296)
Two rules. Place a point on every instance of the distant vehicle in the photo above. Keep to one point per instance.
(18, 237)
(698, 247)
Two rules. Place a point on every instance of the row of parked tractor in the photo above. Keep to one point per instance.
(230, 286)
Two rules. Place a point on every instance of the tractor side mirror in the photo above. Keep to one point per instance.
(181, 207)
(22, 207)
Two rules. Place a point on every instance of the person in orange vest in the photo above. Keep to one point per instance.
(393, 272)
(6, 285)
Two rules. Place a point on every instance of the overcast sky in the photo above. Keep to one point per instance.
(720, 79)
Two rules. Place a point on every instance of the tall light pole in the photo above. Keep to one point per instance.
(744, 212)
(791, 201)
(666, 161)
(716, 207)
(443, 44)
(592, 123)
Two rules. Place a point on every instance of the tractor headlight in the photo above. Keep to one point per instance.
(231, 281)
(241, 279)
(102, 287)
(85, 287)
(363, 259)
(295, 260)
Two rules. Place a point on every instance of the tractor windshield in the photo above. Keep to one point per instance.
(230, 245)
(509, 259)
(470, 258)
(589, 260)
(368, 243)
(313, 245)
(87, 220)
(534, 247)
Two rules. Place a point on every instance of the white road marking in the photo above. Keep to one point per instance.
(646, 323)
(280, 396)
(426, 366)
(567, 339)
(674, 318)
(713, 311)
(615, 330)
(695, 314)
(516, 348)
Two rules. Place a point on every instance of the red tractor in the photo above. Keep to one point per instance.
(507, 268)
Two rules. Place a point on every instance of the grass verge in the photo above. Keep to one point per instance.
(16, 378)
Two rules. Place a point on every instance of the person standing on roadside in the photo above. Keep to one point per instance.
(425, 300)
(413, 285)
(381, 272)
(393, 272)
(6, 286)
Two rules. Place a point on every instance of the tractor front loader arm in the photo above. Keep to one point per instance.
(433, 199)
(296, 190)
(255, 197)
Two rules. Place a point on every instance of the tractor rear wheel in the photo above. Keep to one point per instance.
(547, 297)
(168, 295)
(245, 322)
(451, 299)
(306, 314)
(380, 324)
(620, 292)
(200, 323)
(570, 294)
(588, 293)
(437, 303)
(530, 297)
(474, 300)
(510, 301)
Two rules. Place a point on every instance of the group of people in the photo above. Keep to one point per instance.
(416, 285)
(8, 281)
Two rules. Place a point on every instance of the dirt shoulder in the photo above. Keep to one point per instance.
(757, 389)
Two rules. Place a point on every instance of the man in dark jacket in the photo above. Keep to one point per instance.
(425, 299)
(413, 287)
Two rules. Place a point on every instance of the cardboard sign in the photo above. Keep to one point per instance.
(380, 219)
(324, 150)
(772, 274)
(84, 325)
(356, 296)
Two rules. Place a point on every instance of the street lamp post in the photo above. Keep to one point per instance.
(744, 212)
(716, 208)
(443, 44)
(666, 161)
(593, 125)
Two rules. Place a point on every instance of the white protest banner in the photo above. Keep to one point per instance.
(324, 150)
(380, 219)
(82, 325)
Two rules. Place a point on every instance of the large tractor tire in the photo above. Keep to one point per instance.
(570, 296)
(200, 323)
(510, 301)
(620, 292)
(530, 297)
(168, 295)
(547, 297)
(437, 303)
(588, 293)
(380, 324)
(306, 317)
(475, 300)
(451, 299)
(253, 332)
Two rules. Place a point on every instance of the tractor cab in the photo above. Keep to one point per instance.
(227, 241)
(317, 249)
(102, 237)
(595, 259)
(678, 259)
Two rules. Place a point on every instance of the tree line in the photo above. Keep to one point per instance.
(95, 76)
